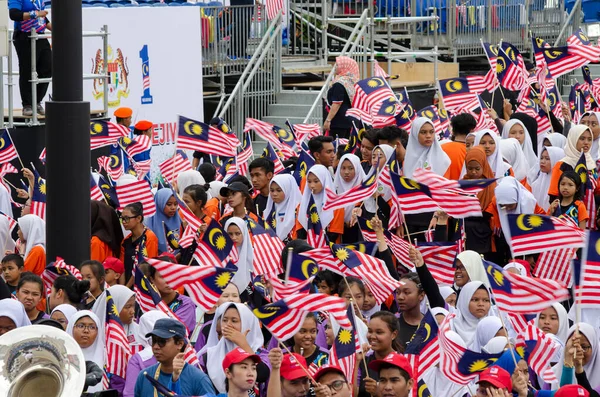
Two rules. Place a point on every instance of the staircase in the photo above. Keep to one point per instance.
(577, 76)
(291, 105)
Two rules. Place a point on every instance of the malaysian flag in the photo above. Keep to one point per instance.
(287, 140)
(38, 198)
(521, 294)
(588, 283)
(281, 139)
(371, 93)
(134, 147)
(204, 284)
(245, 153)
(471, 363)
(117, 347)
(345, 346)
(424, 344)
(11, 222)
(510, 68)
(439, 118)
(556, 265)
(398, 246)
(267, 248)
(538, 350)
(43, 156)
(305, 132)
(580, 45)
(284, 317)
(588, 187)
(113, 165)
(305, 163)
(576, 102)
(8, 151)
(528, 106)
(271, 154)
(148, 297)
(214, 246)
(379, 72)
(356, 194)
(95, 192)
(530, 234)
(560, 60)
(315, 234)
(6, 169)
(281, 290)
(196, 135)
(359, 115)
(134, 192)
(108, 191)
(104, 133)
(451, 352)
(405, 118)
(414, 198)
(172, 167)
(56, 269)
(455, 92)
(439, 257)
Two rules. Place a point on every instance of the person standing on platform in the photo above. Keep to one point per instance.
(30, 15)
(339, 97)
(123, 116)
(143, 127)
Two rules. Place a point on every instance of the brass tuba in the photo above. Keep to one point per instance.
(39, 360)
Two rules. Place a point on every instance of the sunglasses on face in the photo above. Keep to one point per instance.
(159, 341)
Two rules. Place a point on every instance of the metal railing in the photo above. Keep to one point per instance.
(259, 83)
(35, 80)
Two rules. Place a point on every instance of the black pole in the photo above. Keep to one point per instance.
(67, 141)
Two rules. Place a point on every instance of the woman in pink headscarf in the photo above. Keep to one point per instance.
(339, 97)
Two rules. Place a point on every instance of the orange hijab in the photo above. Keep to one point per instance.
(486, 195)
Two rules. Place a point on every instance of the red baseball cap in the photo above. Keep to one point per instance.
(291, 366)
(497, 377)
(327, 369)
(238, 355)
(114, 264)
(395, 359)
(571, 391)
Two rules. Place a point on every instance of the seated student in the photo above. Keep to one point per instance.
(12, 267)
(331, 381)
(113, 269)
(395, 375)
(240, 372)
(261, 172)
(492, 380)
(168, 343)
(30, 293)
(288, 378)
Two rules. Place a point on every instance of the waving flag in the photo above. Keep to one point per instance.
(455, 92)
(287, 141)
(104, 133)
(304, 132)
(108, 191)
(451, 353)
(245, 153)
(561, 60)
(530, 234)
(439, 118)
(588, 187)
(214, 246)
(398, 246)
(521, 294)
(538, 351)
(414, 197)
(371, 93)
(172, 167)
(271, 154)
(587, 292)
(345, 346)
(510, 68)
(315, 234)
(471, 364)
(305, 162)
(148, 297)
(556, 265)
(439, 257)
(195, 135)
(580, 45)
(38, 198)
(117, 347)
(134, 192)
(425, 344)
(59, 268)
(284, 317)
(113, 165)
(405, 118)
(204, 284)
(95, 192)
(136, 146)
(267, 248)
(356, 194)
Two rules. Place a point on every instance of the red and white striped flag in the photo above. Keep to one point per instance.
(305, 132)
(95, 192)
(587, 292)
(267, 248)
(451, 352)
(556, 265)
(104, 133)
(172, 167)
(360, 114)
(112, 164)
(540, 354)
(56, 269)
(43, 156)
(134, 192)
(579, 44)
(117, 347)
(398, 246)
(439, 258)
(274, 8)
(379, 72)
(281, 290)
(356, 194)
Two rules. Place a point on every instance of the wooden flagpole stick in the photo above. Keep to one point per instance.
(359, 314)
(10, 184)
(173, 169)
(13, 143)
(287, 349)
(288, 265)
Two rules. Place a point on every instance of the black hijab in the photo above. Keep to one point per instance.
(106, 226)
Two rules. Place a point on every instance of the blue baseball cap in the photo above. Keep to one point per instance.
(167, 328)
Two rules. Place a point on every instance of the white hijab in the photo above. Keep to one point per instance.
(486, 330)
(511, 191)
(217, 349)
(34, 232)
(495, 159)
(595, 150)
(446, 291)
(67, 310)
(245, 264)
(563, 322)
(419, 156)
(465, 323)
(383, 190)
(541, 183)
(572, 155)
(557, 140)
(526, 146)
(121, 294)
(215, 188)
(188, 178)
(471, 260)
(592, 368)
(513, 155)
(5, 205)
(286, 210)
(323, 174)
(341, 186)
(14, 310)
(95, 352)
(6, 241)
(145, 326)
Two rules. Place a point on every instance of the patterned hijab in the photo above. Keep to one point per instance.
(347, 74)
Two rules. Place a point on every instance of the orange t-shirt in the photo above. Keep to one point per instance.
(556, 174)
(151, 245)
(582, 213)
(36, 260)
(99, 250)
(457, 151)
(212, 209)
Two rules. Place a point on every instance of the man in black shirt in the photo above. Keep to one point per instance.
(261, 172)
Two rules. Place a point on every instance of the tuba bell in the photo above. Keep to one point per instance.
(40, 360)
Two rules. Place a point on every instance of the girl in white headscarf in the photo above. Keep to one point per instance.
(513, 155)
(239, 328)
(541, 183)
(188, 178)
(12, 315)
(6, 241)
(5, 205)
(349, 174)
(282, 213)
(32, 232)
(91, 342)
(62, 313)
(554, 320)
(124, 299)
(473, 269)
(513, 196)
(488, 328)
(592, 120)
(556, 140)
(516, 129)
(380, 157)
(591, 356)
(424, 150)
(490, 143)
(318, 180)
(238, 231)
(144, 358)
(472, 306)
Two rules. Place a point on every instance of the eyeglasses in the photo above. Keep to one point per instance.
(586, 348)
(90, 327)
(159, 341)
(337, 385)
(128, 218)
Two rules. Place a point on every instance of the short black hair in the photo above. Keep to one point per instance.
(328, 277)
(15, 258)
(463, 123)
(197, 193)
(372, 136)
(403, 373)
(264, 163)
(137, 209)
(97, 270)
(75, 290)
(208, 172)
(315, 145)
(29, 277)
(350, 281)
(393, 134)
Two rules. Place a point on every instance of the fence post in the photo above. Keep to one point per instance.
(488, 24)
(34, 76)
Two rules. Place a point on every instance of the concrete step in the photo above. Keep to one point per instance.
(280, 120)
(288, 110)
(297, 97)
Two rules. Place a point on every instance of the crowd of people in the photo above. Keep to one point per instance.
(533, 173)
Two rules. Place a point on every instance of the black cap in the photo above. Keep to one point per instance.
(167, 328)
(234, 187)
